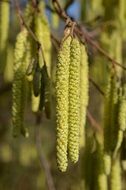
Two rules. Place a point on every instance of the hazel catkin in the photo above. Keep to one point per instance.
(42, 33)
(84, 86)
(115, 175)
(22, 58)
(62, 84)
(111, 112)
(74, 100)
(4, 23)
(122, 110)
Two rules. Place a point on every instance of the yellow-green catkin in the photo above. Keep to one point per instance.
(101, 180)
(74, 100)
(121, 117)
(8, 71)
(62, 85)
(115, 49)
(35, 101)
(115, 175)
(28, 14)
(55, 21)
(21, 59)
(4, 23)
(122, 110)
(110, 115)
(107, 164)
(46, 89)
(42, 32)
(84, 87)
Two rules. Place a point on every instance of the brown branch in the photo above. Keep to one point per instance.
(55, 41)
(93, 122)
(43, 161)
(96, 86)
(87, 37)
(83, 33)
(59, 10)
(23, 23)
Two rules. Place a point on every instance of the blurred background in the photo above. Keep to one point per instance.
(26, 163)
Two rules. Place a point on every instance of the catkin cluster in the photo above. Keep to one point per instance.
(41, 83)
(18, 89)
(69, 83)
(111, 112)
(115, 116)
(31, 68)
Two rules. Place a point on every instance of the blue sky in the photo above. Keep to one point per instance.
(74, 10)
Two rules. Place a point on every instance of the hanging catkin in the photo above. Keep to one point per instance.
(4, 23)
(22, 59)
(74, 100)
(62, 83)
(8, 71)
(115, 175)
(122, 110)
(121, 118)
(28, 14)
(110, 115)
(101, 178)
(83, 93)
(42, 33)
(35, 102)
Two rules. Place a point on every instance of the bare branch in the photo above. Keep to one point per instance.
(23, 23)
(93, 122)
(84, 34)
(43, 161)
(96, 86)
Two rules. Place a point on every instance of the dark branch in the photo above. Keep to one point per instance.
(93, 122)
(43, 161)
(23, 23)
(96, 86)
(80, 30)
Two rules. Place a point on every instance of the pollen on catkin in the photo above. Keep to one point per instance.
(84, 87)
(62, 84)
(74, 100)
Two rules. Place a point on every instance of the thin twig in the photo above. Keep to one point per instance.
(55, 41)
(82, 31)
(96, 86)
(60, 11)
(43, 161)
(23, 23)
(93, 122)
(101, 50)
